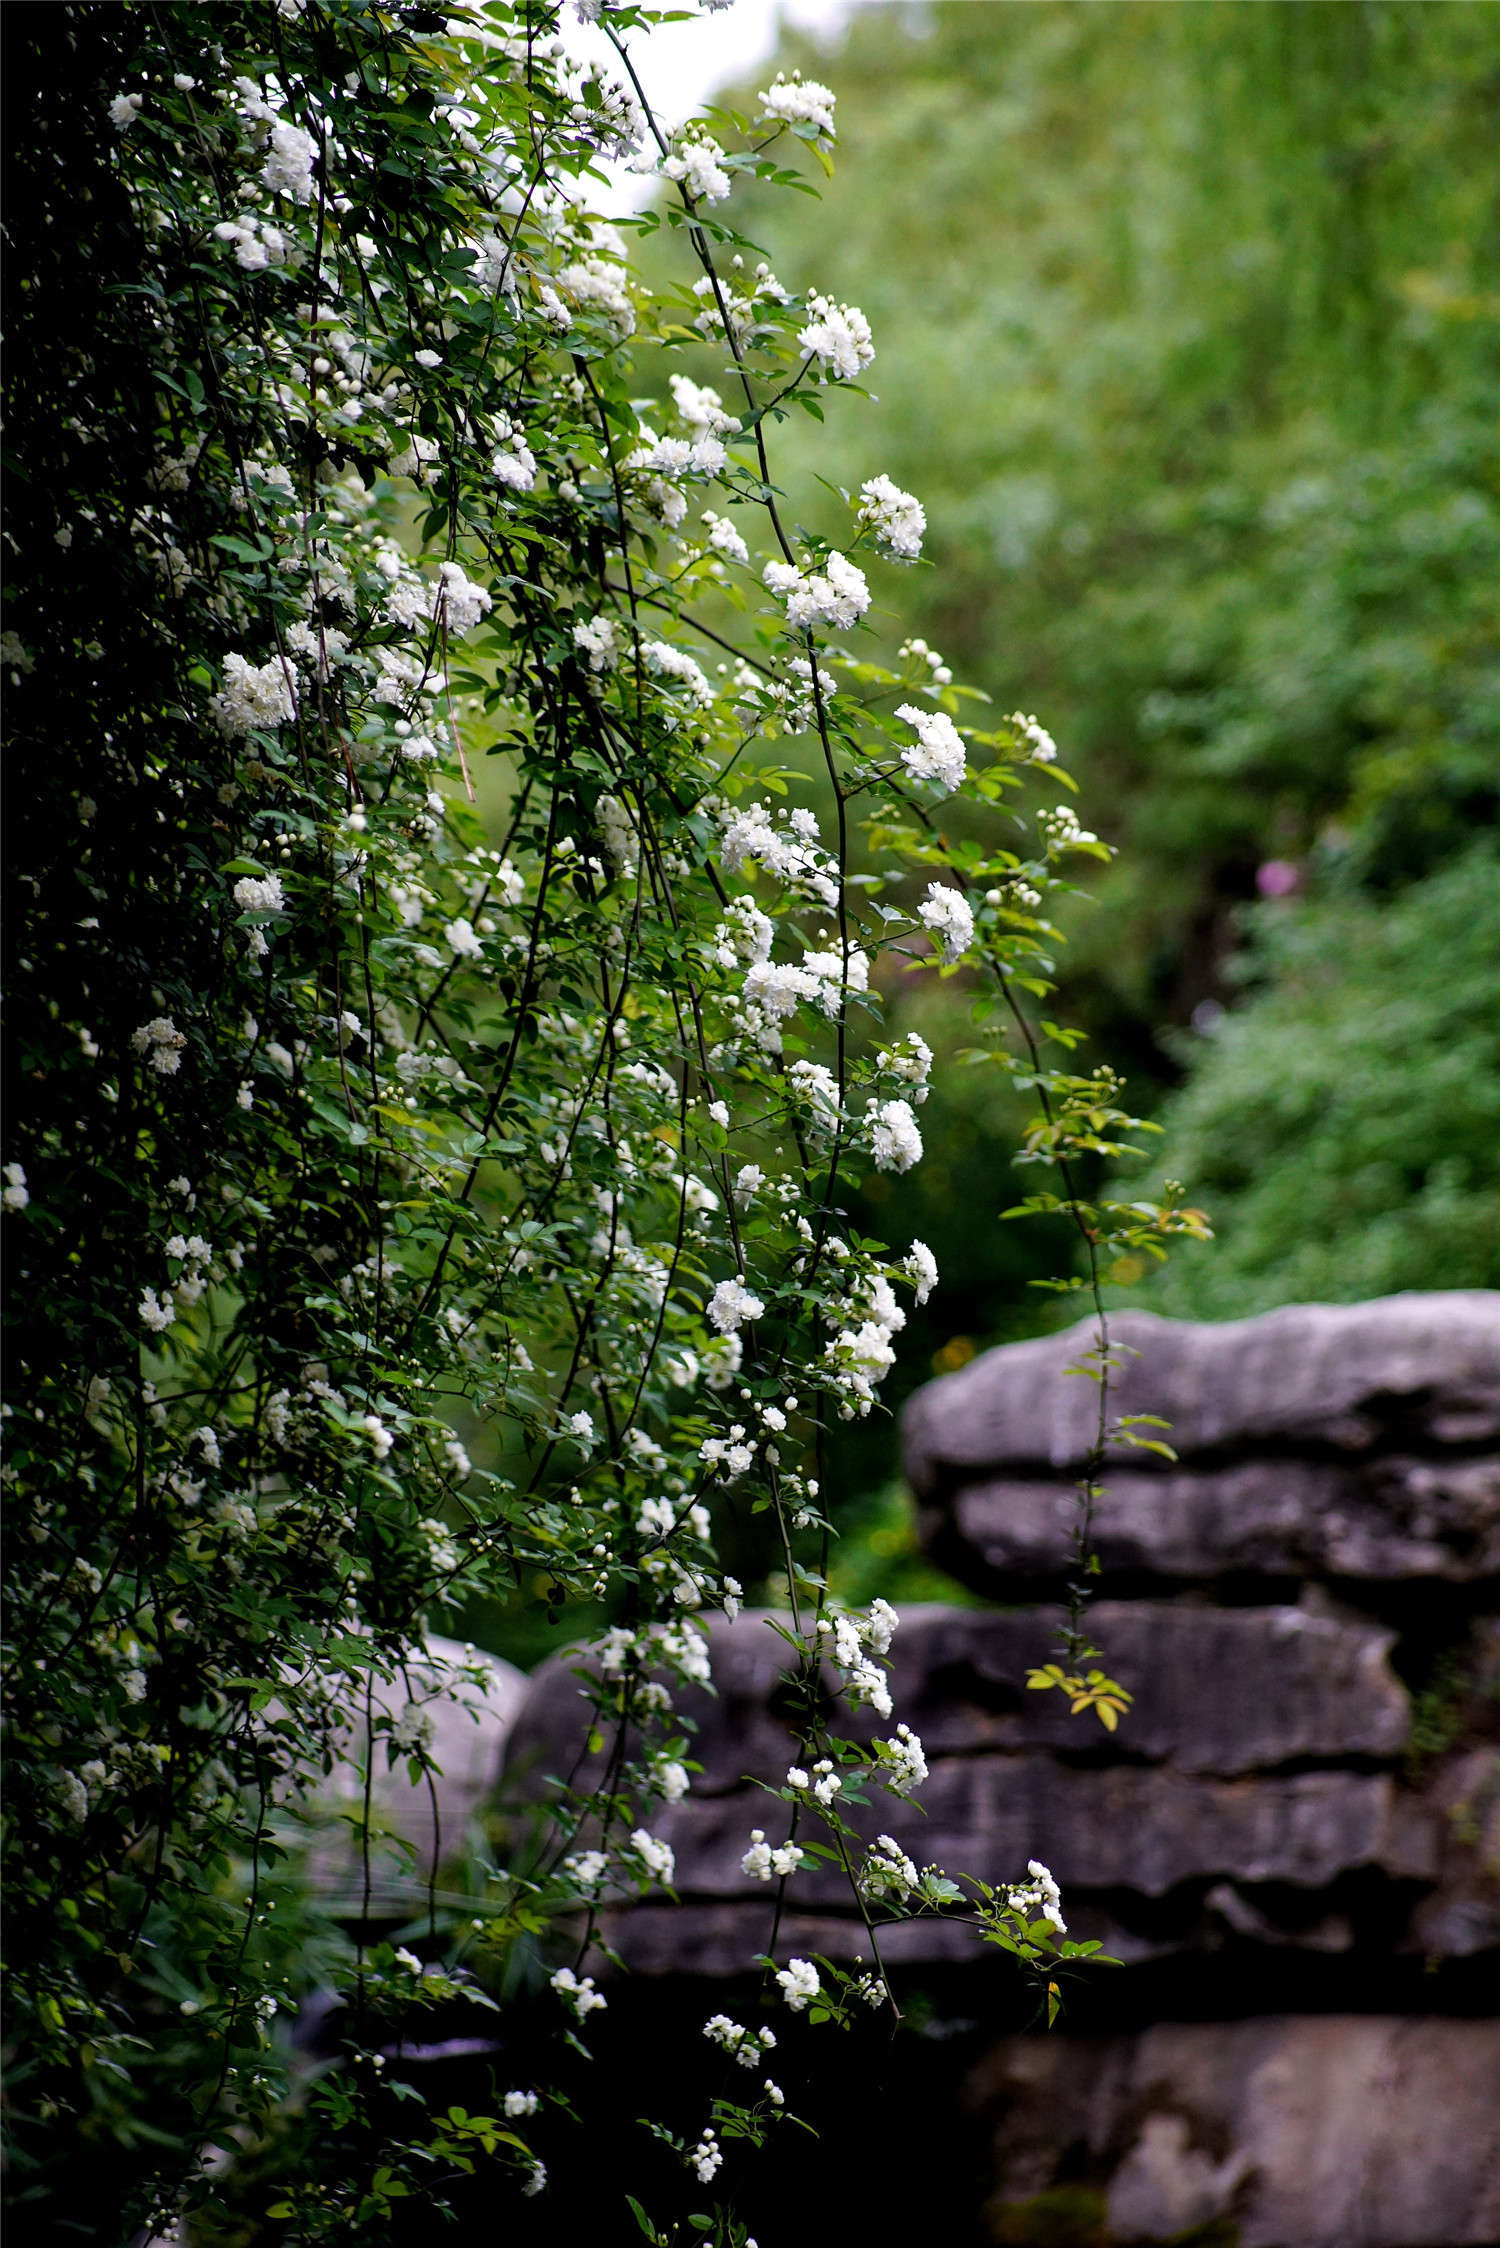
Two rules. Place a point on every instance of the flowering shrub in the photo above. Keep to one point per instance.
(345, 1126)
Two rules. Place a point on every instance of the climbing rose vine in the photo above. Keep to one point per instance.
(410, 1204)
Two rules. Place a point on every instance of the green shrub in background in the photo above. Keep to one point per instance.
(1193, 317)
(1343, 1122)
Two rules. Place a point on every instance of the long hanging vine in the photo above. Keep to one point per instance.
(345, 1122)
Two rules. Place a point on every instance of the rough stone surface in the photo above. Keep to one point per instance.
(415, 1827)
(1280, 1822)
(1339, 2131)
(1217, 1690)
(1387, 1520)
(1411, 1370)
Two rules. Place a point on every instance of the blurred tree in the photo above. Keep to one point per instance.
(1345, 1124)
(1212, 486)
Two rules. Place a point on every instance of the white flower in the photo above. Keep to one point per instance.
(749, 1179)
(586, 1869)
(799, 1984)
(698, 165)
(719, 1111)
(938, 752)
(667, 662)
(836, 595)
(414, 1728)
(838, 337)
(724, 538)
(156, 1311)
(288, 166)
(124, 109)
(17, 1194)
(259, 894)
(1061, 828)
(253, 695)
(599, 639)
(458, 600)
(731, 1305)
(657, 1857)
(462, 939)
(888, 1871)
(537, 2179)
(705, 2157)
(408, 1960)
(520, 2103)
(73, 1796)
(580, 1426)
(1036, 737)
(382, 1442)
(895, 1141)
(948, 915)
(580, 1997)
(799, 100)
(672, 1780)
(764, 1861)
(747, 2046)
(896, 518)
(906, 1766)
(163, 1041)
(1041, 1891)
(921, 1268)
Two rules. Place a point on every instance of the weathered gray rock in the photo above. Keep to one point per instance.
(1259, 1757)
(1407, 1370)
(1126, 1827)
(1338, 2131)
(1217, 1690)
(1390, 1520)
(413, 1828)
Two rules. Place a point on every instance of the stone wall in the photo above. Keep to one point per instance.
(1292, 1843)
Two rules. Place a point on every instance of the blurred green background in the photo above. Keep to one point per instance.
(1188, 331)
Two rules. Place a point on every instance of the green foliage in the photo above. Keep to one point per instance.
(345, 1131)
(1343, 1125)
(1192, 324)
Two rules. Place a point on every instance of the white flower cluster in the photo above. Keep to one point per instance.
(799, 1984)
(904, 1766)
(888, 1873)
(1041, 1892)
(1036, 737)
(598, 638)
(937, 754)
(580, 1997)
(747, 2046)
(895, 517)
(260, 893)
(764, 1861)
(288, 168)
(787, 847)
(895, 1141)
(948, 915)
(837, 336)
(799, 101)
(835, 595)
(254, 695)
(921, 1269)
(163, 1041)
(705, 2158)
(1061, 828)
(911, 1062)
(857, 1641)
(731, 1305)
(697, 165)
(656, 1858)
